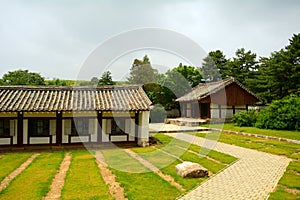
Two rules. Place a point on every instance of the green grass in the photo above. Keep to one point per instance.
(295, 135)
(137, 182)
(212, 166)
(169, 167)
(10, 162)
(34, 182)
(289, 184)
(167, 163)
(270, 146)
(281, 193)
(223, 158)
(173, 144)
(289, 180)
(84, 180)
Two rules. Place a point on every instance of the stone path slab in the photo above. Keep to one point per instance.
(109, 178)
(253, 176)
(59, 179)
(171, 128)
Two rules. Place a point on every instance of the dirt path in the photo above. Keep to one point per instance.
(153, 168)
(15, 173)
(59, 179)
(109, 178)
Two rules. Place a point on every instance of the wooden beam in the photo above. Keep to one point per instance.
(99, 127)
(58, 128)
(20, 129)
(136, 127)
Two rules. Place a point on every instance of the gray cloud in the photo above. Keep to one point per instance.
(55, 37)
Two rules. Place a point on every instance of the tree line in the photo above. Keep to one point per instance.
(24, 77)
(271, 78)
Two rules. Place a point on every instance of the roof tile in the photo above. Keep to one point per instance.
(46, 98)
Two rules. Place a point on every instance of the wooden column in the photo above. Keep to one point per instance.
(99, 127)
(136, 127)
(233, 109)
(209, 112)
(58, 128)
(20, 129)
(220, 111)
(247, 107)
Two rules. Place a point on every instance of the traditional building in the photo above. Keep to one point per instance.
(215, 100)
(66, 115)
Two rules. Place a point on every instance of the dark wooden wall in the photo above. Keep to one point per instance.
(232, 95)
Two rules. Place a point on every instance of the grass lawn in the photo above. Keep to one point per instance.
(34, 182)
(270, 146)
(289, 185)
(167, 163)
(137, 182)
(295, 135)
(10, 162)
(83, 180)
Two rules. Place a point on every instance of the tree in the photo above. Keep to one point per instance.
(190, 73)
(106, 79)
(243, 65)
(278, 76)
(57, 82)
(214, 66)
(22, 77)
(142, 72)
(94, 81)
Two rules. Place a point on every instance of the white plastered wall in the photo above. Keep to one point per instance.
(66, 130)
(12, 132)
(13, 127)
(143, 136)
(52, 127)
(226, 111)
(129, 126)
(106, 130)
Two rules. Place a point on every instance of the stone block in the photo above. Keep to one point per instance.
(191, 170)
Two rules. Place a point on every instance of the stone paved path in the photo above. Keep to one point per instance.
(115, 189)
(253, 176)
(59, 179)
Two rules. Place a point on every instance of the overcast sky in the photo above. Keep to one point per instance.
(55, 37)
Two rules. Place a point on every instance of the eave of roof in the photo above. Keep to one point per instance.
(66, 98)
(204, 90)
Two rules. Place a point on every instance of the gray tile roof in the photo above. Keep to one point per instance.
(204, 90)
(46, 98)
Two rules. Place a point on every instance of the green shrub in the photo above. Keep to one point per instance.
(245, 118)
(157, 114)
(281, 114)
